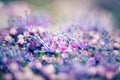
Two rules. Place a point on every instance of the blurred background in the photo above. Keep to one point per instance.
(89, 12)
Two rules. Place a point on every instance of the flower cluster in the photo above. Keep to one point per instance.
(33, 53)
